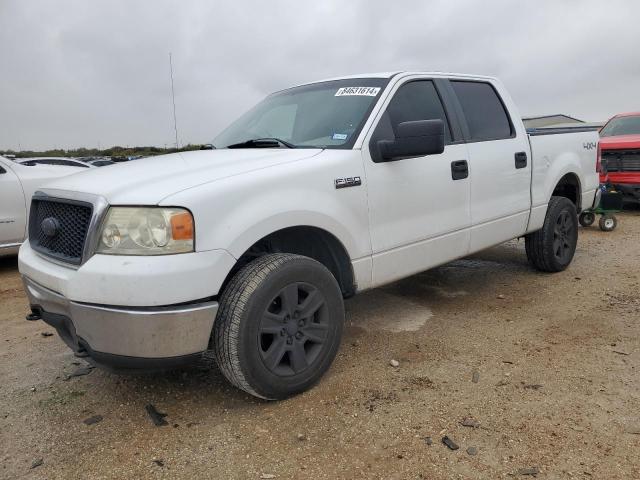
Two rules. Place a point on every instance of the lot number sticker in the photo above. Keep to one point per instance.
(360, 91)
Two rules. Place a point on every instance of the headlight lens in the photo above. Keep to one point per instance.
(146, 231)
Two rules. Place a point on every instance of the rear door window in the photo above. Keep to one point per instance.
(484, 111)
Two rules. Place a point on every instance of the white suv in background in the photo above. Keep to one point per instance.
(17, 185)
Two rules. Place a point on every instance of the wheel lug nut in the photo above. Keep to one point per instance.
(301, 323)
(283, 332)
(289, 341)
(299, 335)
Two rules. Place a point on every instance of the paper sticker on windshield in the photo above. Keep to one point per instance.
(359, 91)
(339, 136)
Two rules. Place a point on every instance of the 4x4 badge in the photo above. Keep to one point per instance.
(347, 182)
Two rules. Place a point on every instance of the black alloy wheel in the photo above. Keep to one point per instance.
(293, 329)
(564, 237)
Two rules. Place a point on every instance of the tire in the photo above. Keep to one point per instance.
(586, 219)
(551, 248)
(608, 223)
(267, 339)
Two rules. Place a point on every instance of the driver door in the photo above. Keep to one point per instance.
(419, 208)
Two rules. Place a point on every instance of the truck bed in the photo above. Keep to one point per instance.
(559, 130)
(554, 152)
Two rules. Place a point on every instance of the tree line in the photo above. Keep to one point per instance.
(115, 151)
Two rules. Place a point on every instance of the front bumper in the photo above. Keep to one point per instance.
(133, 338)
(129, 280)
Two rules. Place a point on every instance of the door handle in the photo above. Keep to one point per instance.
(459, 169)
(521, 159)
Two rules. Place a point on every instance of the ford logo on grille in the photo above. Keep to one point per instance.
(50, 227)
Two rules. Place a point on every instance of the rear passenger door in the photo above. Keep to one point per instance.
(418, 212)
(499, 163)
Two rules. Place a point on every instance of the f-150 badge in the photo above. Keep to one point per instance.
(348, 182)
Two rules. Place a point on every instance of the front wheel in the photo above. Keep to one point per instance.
(551, 248)
(279, 325)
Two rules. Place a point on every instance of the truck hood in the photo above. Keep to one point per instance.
(147, 181)
(619, 142)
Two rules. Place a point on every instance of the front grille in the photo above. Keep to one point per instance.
(621, 160)
(58, 228)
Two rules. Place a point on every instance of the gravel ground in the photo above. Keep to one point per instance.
(544, 369)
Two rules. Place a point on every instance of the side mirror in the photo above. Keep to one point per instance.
(414, 139)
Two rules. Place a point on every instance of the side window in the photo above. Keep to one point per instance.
(485, 114)
(417, 100)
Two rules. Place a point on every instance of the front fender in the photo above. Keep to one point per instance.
(242, 236)
(236, 212)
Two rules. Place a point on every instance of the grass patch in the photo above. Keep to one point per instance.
(61, 398)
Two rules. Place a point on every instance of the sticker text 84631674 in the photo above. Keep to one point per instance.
(361, 91)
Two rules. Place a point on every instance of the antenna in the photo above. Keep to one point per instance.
(173, 99)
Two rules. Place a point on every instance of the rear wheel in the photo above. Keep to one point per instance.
(608, 223)
(279, 325)
(586, 219)
(551, 248)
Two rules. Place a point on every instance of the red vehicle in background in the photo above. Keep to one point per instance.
(620, 155)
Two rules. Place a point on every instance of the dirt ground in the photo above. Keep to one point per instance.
(557, 360)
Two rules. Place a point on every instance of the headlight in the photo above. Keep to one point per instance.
(146, 231)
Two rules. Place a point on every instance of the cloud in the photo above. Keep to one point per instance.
(77, 73)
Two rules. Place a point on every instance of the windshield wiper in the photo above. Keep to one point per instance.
(262, 143)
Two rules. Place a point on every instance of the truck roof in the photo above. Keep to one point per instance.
(628, 114)
(392, 74)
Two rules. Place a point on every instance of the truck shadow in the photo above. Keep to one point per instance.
(8, 264)
(409, 303)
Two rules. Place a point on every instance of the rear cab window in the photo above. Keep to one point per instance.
(484, 112)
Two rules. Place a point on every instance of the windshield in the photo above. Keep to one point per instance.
(621, 126)
(320, 115)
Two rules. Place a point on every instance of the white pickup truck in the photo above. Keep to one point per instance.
(317, 193)
(17, 184)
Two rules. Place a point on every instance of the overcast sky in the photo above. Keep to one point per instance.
(96, 73)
